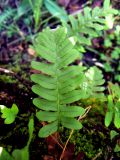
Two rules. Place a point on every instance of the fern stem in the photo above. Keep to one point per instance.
(97, 156)
(72, 131)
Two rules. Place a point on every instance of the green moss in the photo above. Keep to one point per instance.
(88, 141)
(7, 79)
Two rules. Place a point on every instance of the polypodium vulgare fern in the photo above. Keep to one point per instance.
(57, 85)
(84, 27)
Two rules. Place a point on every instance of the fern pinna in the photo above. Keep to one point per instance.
(58, 84)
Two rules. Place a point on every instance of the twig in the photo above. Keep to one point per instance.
(98, 155)
(71, 133)
(85, 114)
(6, 71)
(57, 141)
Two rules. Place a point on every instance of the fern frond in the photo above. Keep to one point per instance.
(58, 84)
(86, 26)
(5, 16)
(92, 85)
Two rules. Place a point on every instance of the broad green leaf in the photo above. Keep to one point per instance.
(21, 154)
(4, 155)
(74, 22)
(108, 67)
(45, 52)
(68, 58)
(106, 4)
(69, 72)
(44, 81)
(113, 134)
(71, 123)
(55, 10)
(89, 31)
(117, 119)
(72, 97)
(45, 93)
(72, 111)
(110, 103)
(96, 12)
(60, 36)
(72, 84)
(45, 68)
(9, 114)
(83, 40)
(109, 114)
(108, 118)
(87, 13)
(45, 104)
(117, 148)
(47, 116)
(48, 129)
(30, 129)
(36, 8)
(115, 90)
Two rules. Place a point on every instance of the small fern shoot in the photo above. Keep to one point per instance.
(58, 84)
(92, 85)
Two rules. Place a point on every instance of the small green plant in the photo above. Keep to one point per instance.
(113, 112)
(60, 83)
(55, 91)
(113, 134)
(36, 6)
(92, 85)
(9, 114)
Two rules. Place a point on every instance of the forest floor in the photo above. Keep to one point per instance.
(92, 142)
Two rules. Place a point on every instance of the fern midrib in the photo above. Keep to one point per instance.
(58, 96)
(58, 102)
